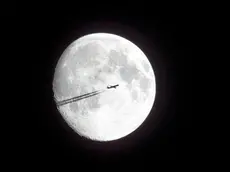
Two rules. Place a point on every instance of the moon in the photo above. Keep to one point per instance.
(93, 62)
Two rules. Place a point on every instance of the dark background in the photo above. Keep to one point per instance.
(36, 133)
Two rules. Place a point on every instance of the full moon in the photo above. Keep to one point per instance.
(92, 63)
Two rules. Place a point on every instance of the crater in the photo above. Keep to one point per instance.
(146, 66)
(93, 102)
(117, 58)
(74, 106)
(144, 83)
(134, 95)
(128, 73)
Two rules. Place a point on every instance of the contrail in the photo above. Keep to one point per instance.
(80, 96)
(74, 99)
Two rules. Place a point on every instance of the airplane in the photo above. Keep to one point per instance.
(112, 86)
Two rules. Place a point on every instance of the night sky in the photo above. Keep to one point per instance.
(38, 135)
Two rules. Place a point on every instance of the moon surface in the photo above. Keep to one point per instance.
(93, 62)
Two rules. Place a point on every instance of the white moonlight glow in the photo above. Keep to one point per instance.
(93, 62)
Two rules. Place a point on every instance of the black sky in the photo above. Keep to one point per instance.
(31, 46)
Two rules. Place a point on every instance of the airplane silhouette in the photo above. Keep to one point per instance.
(112, 86)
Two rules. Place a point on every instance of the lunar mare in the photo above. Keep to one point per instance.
(93, 62)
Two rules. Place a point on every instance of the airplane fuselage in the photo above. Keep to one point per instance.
(112, 86)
